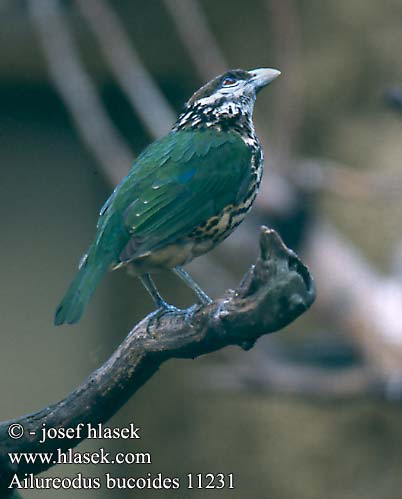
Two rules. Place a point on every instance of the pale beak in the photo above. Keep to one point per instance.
(262, 77)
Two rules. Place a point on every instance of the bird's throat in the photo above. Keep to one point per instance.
(222, 115)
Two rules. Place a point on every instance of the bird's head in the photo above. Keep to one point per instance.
(229, 95)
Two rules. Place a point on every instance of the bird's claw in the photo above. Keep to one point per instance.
(155, 317)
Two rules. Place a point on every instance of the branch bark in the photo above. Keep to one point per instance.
(274, 292)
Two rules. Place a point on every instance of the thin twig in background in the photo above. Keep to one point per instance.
(326, 176)
(77, 90)
(4, 4)
(262, 372)
(394, 99)
(192, 26)
(360, 301)
(153, 109)
(283, 22)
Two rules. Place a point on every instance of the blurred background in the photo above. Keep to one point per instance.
(313, 411)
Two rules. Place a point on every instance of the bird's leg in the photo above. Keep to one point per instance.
(153, 291)
(185, 276)
(162, 306)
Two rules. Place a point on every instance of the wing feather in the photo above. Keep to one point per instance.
(175, 185)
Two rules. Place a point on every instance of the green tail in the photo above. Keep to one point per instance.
(80, 291)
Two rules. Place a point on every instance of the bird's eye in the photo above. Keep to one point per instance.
(227, 82)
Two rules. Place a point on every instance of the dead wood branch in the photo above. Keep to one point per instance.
(274, 292)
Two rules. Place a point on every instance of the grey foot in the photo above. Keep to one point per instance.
(167, 309)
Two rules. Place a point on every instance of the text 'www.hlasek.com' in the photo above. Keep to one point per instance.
(59, 444)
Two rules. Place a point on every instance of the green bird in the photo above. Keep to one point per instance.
(184, 194)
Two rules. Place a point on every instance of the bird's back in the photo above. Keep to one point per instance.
(190, 186)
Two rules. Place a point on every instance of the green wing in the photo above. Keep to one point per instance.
(175, 185)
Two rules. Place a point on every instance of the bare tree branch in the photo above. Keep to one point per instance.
(4, 4)
(360, 301)
(284, 23)
(394, 99)
(268, 373)
(152, 107)
(274, 292)
(77, 89)
(192, 26)
(327, 176)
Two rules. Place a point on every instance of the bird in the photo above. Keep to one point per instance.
(184, 194)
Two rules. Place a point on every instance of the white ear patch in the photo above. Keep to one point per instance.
(228, 95)
(211, 99)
